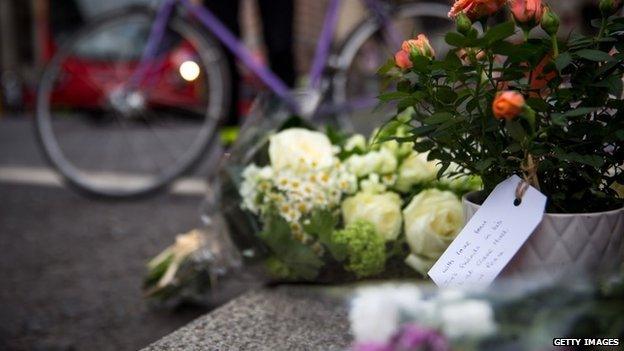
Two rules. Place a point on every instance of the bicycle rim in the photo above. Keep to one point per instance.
(109, 140)
(356, 85)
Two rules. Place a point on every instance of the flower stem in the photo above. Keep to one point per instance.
(555, 46)
(526, 34)
(603, 25)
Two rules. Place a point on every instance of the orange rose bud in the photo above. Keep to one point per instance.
(402, 59)
(418, 46)
(476, 9)
(508, 104)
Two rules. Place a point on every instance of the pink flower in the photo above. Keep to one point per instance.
(476, 9)
(402, 59)
(527, 11)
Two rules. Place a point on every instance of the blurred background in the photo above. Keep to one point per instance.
(71, 266)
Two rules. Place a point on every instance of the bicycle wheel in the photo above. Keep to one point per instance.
(112, 134)
(356, 85)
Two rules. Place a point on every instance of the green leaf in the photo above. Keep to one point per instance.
(579, 111)
(514, 147)
(299, 257)
(438, 118)
(446, 94)
(422, 130)
(484, 164)
(424, 145)
(538, 104)
(612, 83)
(394, 95)
(562, 61)
(590, 160)
(499, 32)
(322, 224)
(386, 67)
(455, 39)
(515, 130)
(420, 63)
(593, 55)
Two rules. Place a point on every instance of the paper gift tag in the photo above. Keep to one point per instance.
(491, 237)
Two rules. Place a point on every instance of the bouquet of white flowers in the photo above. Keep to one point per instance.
(328, 206)
(295, 204)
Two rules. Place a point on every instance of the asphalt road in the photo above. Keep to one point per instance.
(71, 267)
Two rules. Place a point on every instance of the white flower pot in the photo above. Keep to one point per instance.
(567, 245)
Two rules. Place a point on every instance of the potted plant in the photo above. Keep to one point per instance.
(551, 111)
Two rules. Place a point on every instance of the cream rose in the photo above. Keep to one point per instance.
(416, 169)
(300, 150)
(382, 162)
(357, 141)
(432, 220)
(382, 210)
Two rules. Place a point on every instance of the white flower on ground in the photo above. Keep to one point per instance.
(382, 210)
(415, 169)
(432, 220)
(300, 150)
(468, 318)
(376, 312)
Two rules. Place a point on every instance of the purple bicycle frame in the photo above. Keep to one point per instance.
(232, 43)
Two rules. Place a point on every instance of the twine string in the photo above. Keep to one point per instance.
(529, 176)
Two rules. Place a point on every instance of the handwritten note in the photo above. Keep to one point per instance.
(491, 237)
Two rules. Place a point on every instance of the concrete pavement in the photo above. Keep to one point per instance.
(71, 267)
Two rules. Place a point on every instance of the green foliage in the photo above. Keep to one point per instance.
(279, 269)
(156, 272)
(299, 257)
(573, 125)
(321, 225)
(366, 250)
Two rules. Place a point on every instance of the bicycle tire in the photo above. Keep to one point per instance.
(213, 61)
(359, 35)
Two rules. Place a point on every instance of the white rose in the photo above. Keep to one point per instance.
(372, 184)
(382, 162)
(432, 220)
(300, 150)
(382, 210)
(469, 318)
(416, 169)
(400, 150)
(357, 141)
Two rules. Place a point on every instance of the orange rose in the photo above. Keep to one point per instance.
(527, 12)
(402, 59)
(419, 46)
(475, 9)
(508, 104)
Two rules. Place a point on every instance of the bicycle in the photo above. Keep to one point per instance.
(147, 86)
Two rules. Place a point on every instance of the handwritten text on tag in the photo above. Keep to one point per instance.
(491, 237)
